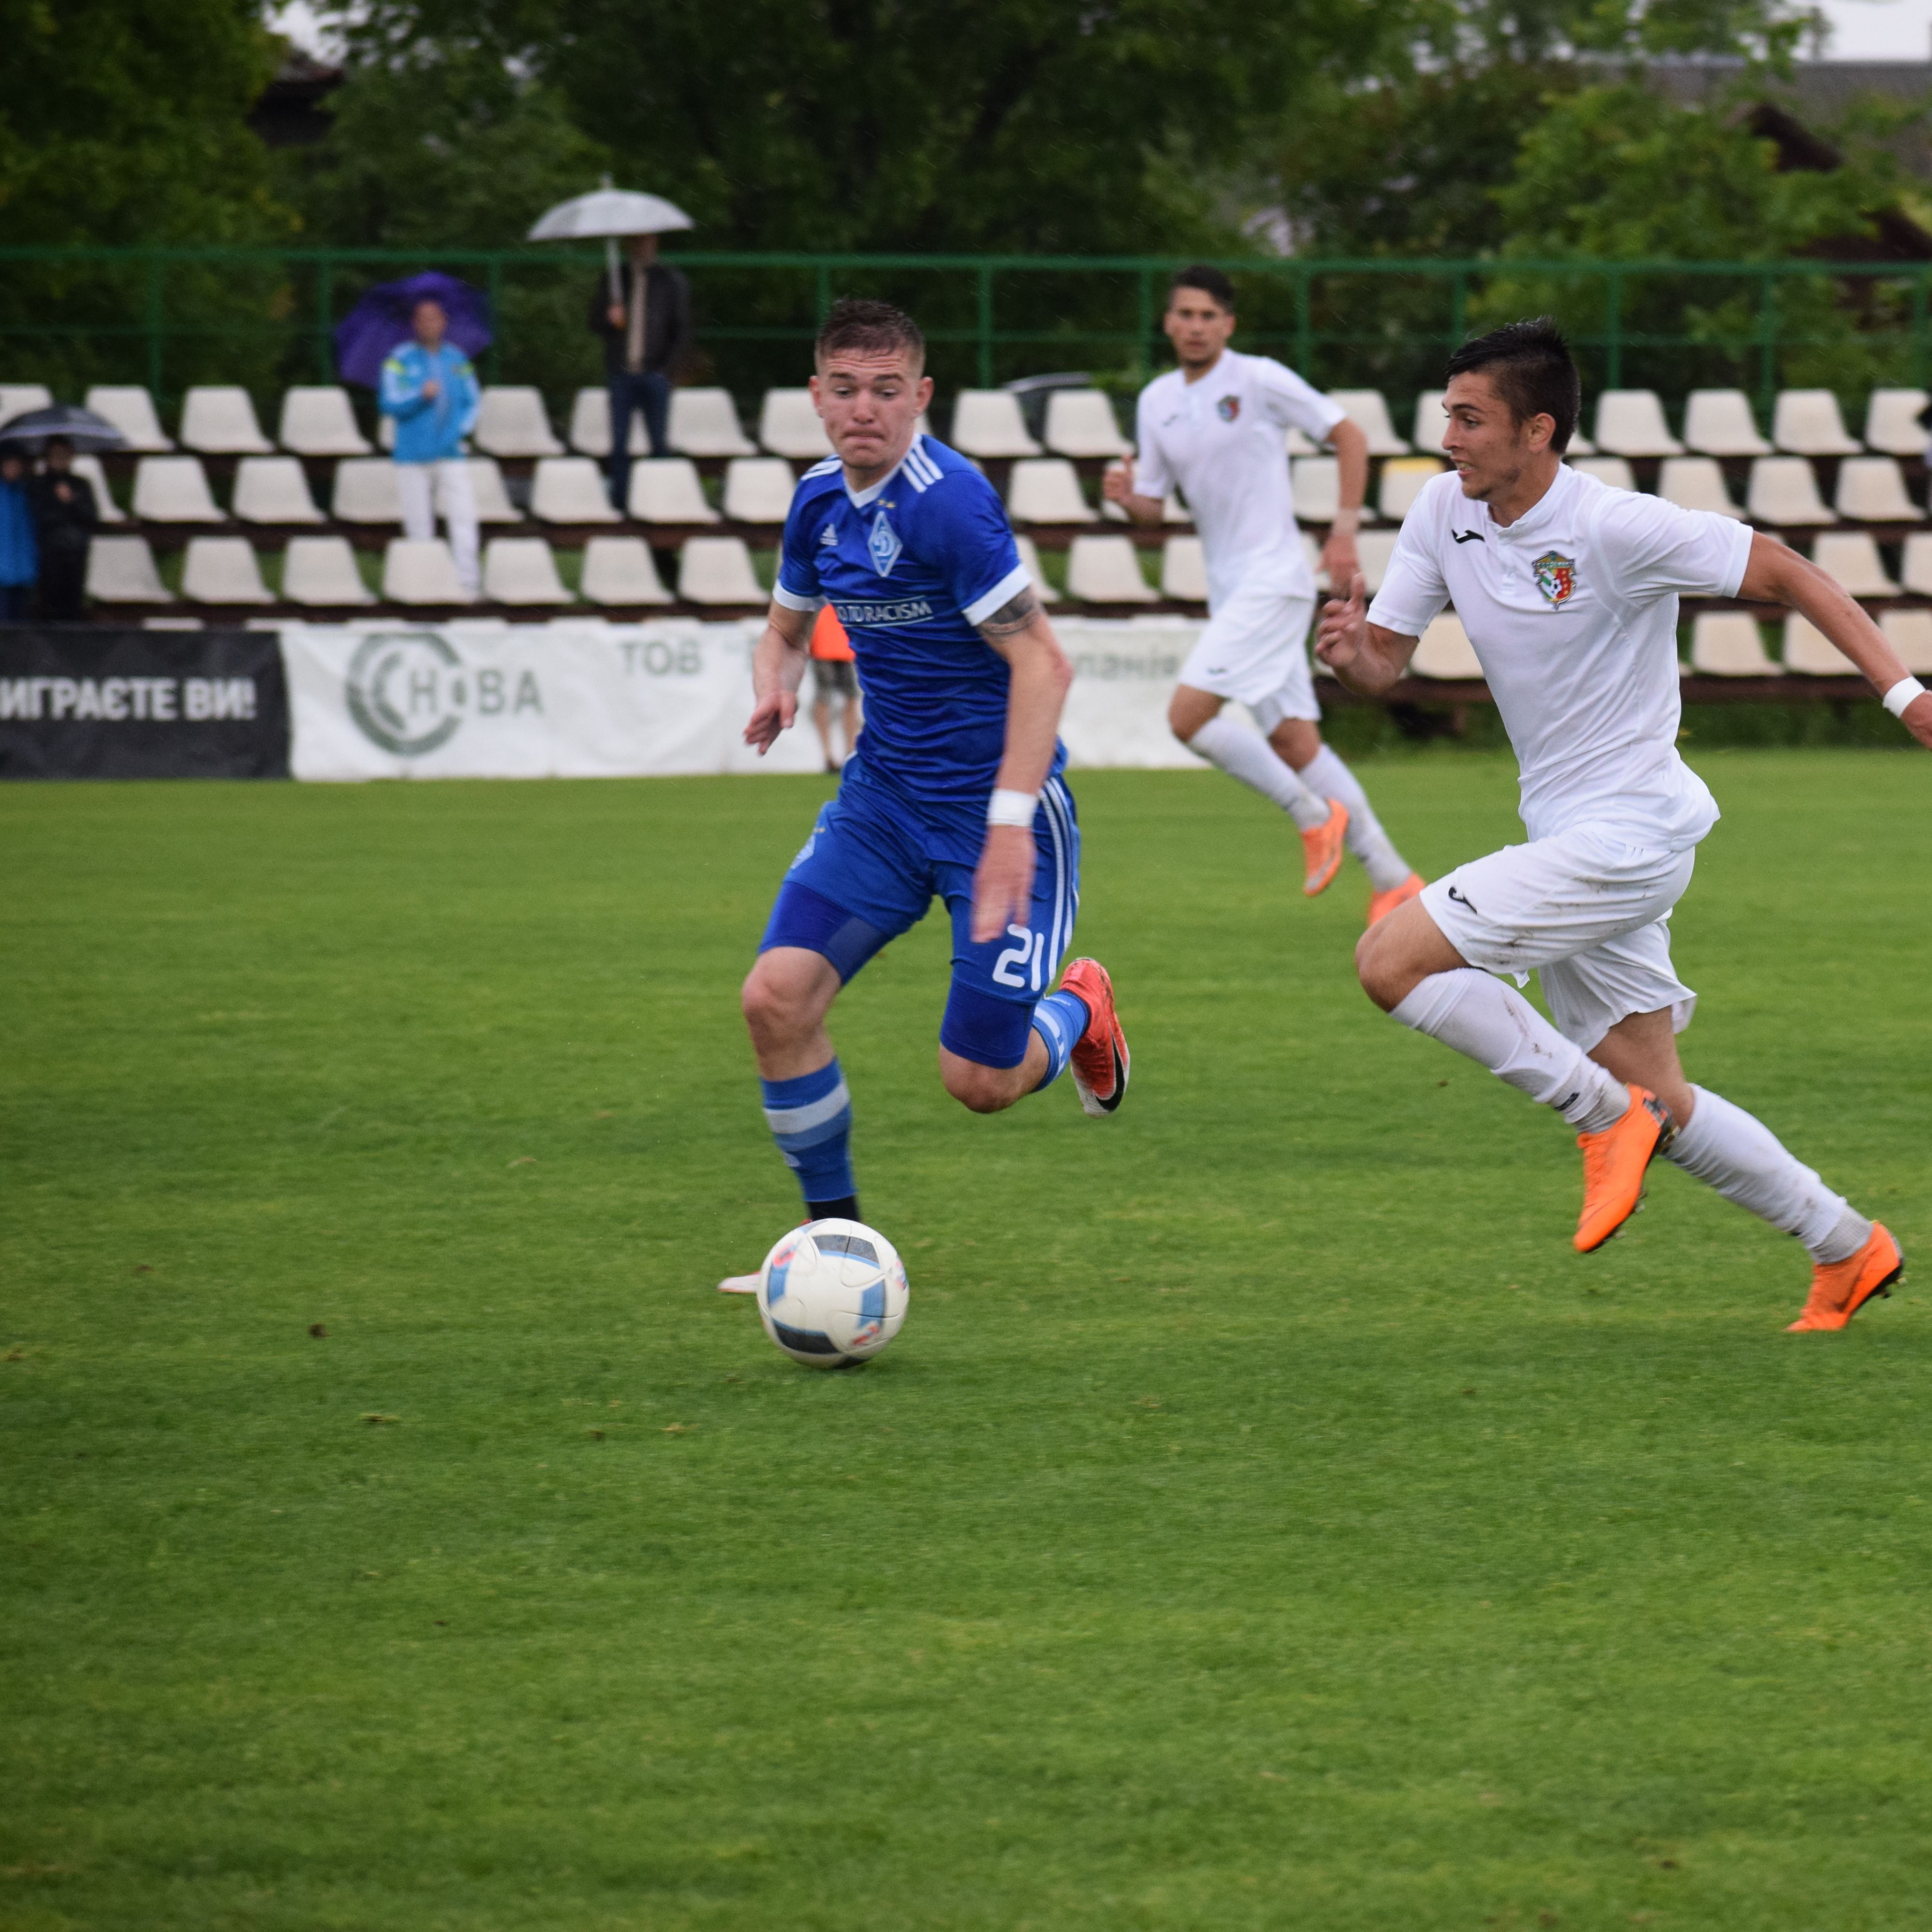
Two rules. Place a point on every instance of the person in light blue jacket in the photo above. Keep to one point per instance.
(430, 390)
(19, 556)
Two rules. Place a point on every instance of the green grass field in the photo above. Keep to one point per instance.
(1265, 1519)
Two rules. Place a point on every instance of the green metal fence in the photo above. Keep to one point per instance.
(168, 317)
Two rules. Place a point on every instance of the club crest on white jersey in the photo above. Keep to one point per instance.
(1555, 577)
(1228, 408)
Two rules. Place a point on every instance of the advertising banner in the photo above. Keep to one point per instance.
(556, 701)
(83, 704)
(1124, 675)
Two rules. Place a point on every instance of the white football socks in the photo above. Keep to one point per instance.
(1244, 753)
(1326, 774)
(1726, 1148)
(1493, 1024)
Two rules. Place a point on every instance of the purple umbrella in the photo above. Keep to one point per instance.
(381, 320)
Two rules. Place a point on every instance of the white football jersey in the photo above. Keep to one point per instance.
(1223, 438)
(1573, 612)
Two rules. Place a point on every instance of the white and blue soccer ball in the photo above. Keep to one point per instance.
(833, 1293)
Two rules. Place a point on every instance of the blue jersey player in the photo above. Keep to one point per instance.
(955, 790)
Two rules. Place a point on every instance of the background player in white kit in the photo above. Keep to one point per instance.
(1216, 426)
(1569, 592)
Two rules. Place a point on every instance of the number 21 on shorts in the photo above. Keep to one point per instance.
(1022, 966)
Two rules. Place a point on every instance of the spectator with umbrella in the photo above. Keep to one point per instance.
(426, 386)
(62, 506)
(641, 310)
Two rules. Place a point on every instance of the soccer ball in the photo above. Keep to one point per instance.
(833, 1293)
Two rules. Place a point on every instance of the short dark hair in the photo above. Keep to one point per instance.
(1209, 281)
(872, 328)
(1530, 364)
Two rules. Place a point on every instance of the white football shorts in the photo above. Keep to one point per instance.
(1254, 650)
(1587, 911)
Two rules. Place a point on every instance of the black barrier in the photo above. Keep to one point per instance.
(85, 703)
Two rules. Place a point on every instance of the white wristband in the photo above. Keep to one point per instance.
(1901, 694)
(1011, 808)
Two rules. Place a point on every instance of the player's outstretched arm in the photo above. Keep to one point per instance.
(1366, 658)
(1018, 630)
(777, 669)
(1777, 574)
(1117, 485)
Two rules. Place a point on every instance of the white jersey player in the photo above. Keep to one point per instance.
(1569, 592)
(1216, 427)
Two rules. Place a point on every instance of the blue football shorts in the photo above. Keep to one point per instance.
(872, 868)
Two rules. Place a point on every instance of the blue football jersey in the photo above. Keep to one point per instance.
(911, 565)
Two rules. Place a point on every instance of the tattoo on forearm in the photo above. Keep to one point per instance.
(1013, 616)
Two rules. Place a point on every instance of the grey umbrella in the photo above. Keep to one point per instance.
(606, 214)
(88, 432)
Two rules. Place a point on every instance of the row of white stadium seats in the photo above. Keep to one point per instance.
(513, 422)
(1783, 490)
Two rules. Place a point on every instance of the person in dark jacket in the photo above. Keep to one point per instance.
(646, 333)
(20, 555)
(65, 515)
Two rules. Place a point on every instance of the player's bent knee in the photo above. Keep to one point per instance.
(1383, 974)
(981, 1089)
(775, 1008)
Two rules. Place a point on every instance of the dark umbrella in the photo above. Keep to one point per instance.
(86, 431)
(381, 320)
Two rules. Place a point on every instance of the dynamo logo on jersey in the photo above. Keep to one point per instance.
(882, 543)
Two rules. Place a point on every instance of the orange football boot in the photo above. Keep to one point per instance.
(1381, 905)
(1839, 1289)
(1614, 1162)
(1324, 848)
(1100, 1059)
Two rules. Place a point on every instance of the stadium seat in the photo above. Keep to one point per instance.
(421, 570)
(1107, 570)
(1850, 558)
(1430, 421)
(989, 423)
(1719, 422)
(192, 623)
(521, 571)
(365, 491)
(130, 409)
(17, 398)
(1696, 483)
(1728, 643)
(1891, 422)
(1041, 583)
(1376, 548)
(1916, 571)
(174, 489)
(1370, 413)
(571, 490)
(89, 466)
(758, 489)
(1614, 470)
(704, 422)
(223, 570)
(273, 490)
(1316, 484)
(1806, 422)
(1630, 422)
(666, 490)
(590, 426)
(718, 570)
(1403, 481)
(621, 571)
(1871, 490)
(1784, 492)
(320, 572)
(1444, 650)
(1296, 444)
(1809, 653)
(1046, 489)
(513, 422)
(120, 570)
(1183, 570)
(1080, 422)
(220, 421)
(788, 425)
(486, 485)
(319, 421)
(1909, 634)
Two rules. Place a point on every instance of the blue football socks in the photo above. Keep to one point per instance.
(1060, 1019)
(811, 1119)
